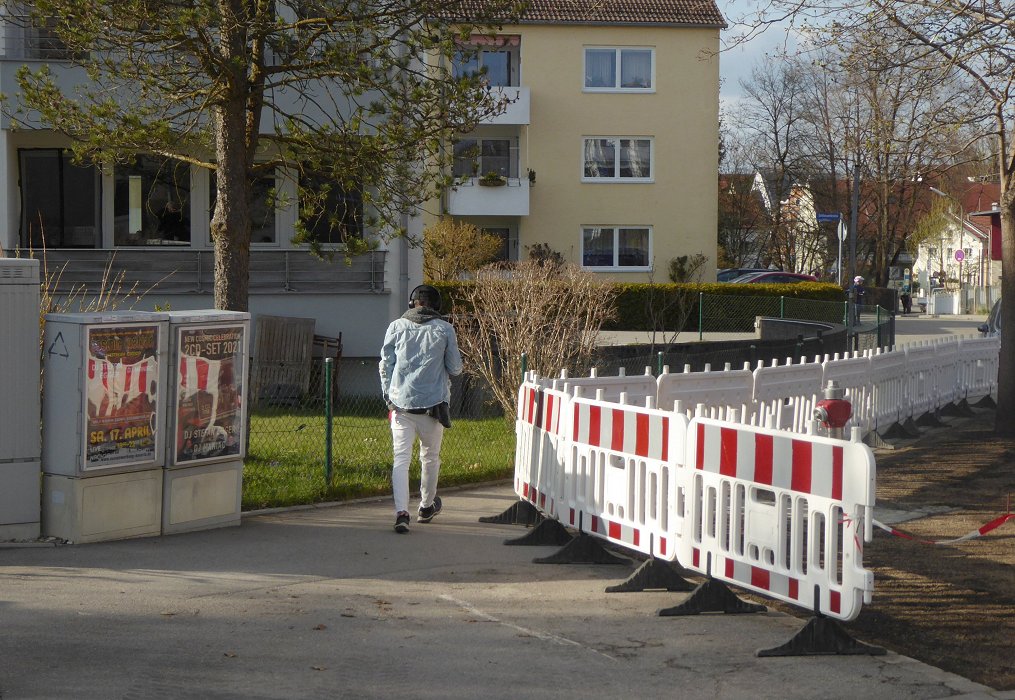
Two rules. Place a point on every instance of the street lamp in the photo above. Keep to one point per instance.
(960, 254)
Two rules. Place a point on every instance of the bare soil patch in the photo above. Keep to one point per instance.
(948, 605)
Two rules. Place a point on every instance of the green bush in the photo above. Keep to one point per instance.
(642, 306)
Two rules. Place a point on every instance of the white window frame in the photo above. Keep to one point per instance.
(616, 178)
(615, 267)
(617, 54)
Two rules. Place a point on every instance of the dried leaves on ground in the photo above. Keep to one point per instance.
(948, 605)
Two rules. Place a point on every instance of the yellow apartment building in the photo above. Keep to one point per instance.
(608, 150)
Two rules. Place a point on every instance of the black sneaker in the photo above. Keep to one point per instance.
(427, 514)
(402, 523)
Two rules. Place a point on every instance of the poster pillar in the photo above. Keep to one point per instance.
(103, 425)
(207, 419)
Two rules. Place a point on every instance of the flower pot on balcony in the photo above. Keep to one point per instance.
(492, 180)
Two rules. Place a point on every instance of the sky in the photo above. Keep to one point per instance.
(735, 64)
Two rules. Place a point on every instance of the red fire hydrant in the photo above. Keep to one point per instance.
(833, 411)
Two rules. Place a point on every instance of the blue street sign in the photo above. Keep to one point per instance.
(828, 217)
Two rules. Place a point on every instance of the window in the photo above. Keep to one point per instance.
(509, 242)
(616, 69)
(329, 213)
(477, 157)
(59, 200)
(618, 159)
(616, 247)
(151, 202)
(262, 208)
(41, 40)
(498, 56)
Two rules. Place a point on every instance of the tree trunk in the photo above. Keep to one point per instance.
(1004, 421)
(230, 224)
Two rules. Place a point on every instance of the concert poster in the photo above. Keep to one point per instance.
(209, 393)
(121, 388)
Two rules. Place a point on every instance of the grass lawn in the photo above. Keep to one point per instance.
(285, 460)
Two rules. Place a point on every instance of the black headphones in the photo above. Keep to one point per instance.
(426, 294)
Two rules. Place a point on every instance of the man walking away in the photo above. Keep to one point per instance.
(419, 355)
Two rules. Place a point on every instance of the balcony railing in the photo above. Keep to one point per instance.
(470, 197)
(176, 271)
(517, 110)
(25, 40)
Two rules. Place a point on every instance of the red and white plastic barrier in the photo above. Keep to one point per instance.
(889, 380)
(979, 364)
(781, 514)
(921, 391)
(636, 387)
(784, 395)
(716, 394)
(540, 450)
(620, 475)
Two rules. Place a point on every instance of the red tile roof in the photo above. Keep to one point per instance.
(694, 13)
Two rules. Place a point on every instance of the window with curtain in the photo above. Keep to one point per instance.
(619, 69)
(613, 158)
(616, 247)
(59, 200)
(500, 64)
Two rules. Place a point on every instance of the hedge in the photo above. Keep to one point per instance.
(635, 302)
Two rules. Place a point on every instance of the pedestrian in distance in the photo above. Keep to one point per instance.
(419, 357)
(857, 293)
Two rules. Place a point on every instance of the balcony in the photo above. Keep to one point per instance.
(469, 198)
(517, 111)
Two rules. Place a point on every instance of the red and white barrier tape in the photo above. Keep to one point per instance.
(992, 525)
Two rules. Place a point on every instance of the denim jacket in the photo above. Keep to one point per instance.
(419, 354)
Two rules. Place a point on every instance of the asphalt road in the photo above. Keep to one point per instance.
(328, 602)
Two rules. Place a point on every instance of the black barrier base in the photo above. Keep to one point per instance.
(712, 596)
(521, 513)
(911, 428)
(821, 636)
(950, 409)
(930, 419)
(895, 431)
(583, 549)
(872, 439)
(655, 575)
(986, 402)
(965, 409)
(547, 532)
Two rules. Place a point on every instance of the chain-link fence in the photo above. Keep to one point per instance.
(316, 435)
(295, 454)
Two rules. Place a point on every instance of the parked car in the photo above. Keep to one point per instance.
(773, 277)
(992, 327)
(730, 273)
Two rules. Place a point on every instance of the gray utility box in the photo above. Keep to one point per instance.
(104, 425)
(102, 507)
(103, 401)
(207, 412)
(19, 399)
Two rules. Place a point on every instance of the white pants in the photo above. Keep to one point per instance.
(404, 429)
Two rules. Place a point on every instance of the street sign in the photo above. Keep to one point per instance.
(960, 254)
(828, 217)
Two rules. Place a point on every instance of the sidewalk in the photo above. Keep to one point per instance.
(329, 602)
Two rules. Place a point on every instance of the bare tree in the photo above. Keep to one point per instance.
(973, 38)
(552, 313)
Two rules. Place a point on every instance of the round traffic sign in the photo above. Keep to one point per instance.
(959, 254)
